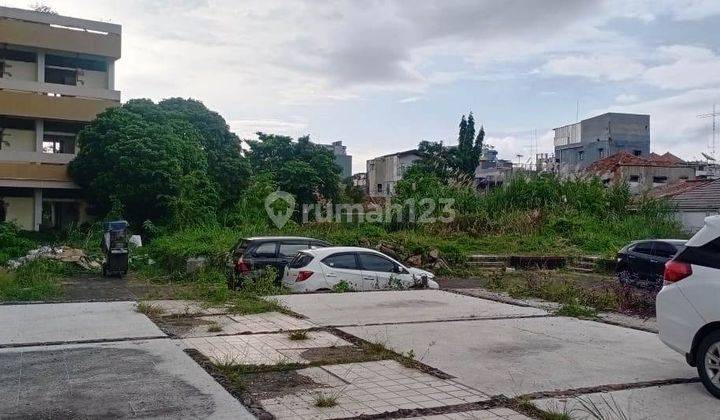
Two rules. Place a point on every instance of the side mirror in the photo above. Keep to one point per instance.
(401, 270)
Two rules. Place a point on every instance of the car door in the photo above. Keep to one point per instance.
(639, 257)
(264, 254)
(662, 252)
(377, 271)
(342, 266)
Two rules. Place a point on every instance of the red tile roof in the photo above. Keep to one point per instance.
(611, 163)
(672, 190)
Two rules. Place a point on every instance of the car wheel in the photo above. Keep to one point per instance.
(708, 363)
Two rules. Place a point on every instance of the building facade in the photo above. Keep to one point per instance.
(56, 74)
(341, 158)
(579, 145)
(642, 173)
(385, 171)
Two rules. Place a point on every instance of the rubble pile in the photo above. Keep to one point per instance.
(60, 253)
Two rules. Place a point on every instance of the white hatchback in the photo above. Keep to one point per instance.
(688, 306)
(360, 269)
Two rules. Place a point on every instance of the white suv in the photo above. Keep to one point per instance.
(688, 306)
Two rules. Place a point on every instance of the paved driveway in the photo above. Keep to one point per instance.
(127, 376)
(511, 350)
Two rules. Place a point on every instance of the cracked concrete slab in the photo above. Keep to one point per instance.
(519, 356)
(65, 322)
(365, 308)
(689, 401)
(141, 379)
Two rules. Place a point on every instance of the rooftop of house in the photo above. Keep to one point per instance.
(699, 195)
(617, 160)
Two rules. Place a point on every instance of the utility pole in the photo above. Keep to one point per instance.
(714, 116)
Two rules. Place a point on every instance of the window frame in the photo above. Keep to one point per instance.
(256, 247)
(362, 266)
(353, 254)
(301, 243)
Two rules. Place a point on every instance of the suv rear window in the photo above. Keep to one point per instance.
(707, 255)
(301, 260)
(265, 249)
(289, 250)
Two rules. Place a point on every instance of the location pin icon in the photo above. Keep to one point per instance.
(279, 206)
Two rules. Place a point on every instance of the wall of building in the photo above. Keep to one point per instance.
(20, 210)
(18, 141)
(693, 221)
(643, 178)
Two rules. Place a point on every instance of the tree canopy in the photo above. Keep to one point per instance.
(139, 156)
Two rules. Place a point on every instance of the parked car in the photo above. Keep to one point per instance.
(252, 254)
(642, 263)
(361, 268)
(688, 306)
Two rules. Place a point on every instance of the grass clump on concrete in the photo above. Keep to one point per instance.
(33, 281)
(214, 328)
(342, 287)
(576, 310)
(299, 335)
(324, 400)
(150, 310)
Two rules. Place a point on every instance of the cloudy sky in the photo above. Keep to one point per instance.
(382, 75)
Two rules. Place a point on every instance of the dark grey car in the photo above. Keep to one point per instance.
(642, 263)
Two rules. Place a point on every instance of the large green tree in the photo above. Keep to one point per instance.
(227, 168)
(301, 168)
(134, 154)
(466, 157)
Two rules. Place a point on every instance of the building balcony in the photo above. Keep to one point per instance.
(36, 157)
(58, 89)
(36, 105)
(35, 175)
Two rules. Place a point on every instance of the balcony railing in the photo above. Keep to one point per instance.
(36, 157)
(65, 90)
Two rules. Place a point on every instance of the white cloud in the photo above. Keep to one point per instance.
(625, 98)
(410, 99)
(686, 67)
(613, 68)
(246, 129)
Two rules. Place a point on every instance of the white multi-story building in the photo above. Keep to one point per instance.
(385, 171)
(56, 74)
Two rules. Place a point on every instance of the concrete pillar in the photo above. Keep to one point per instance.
(39, 135)
(111, 75)
(41, 67)
(37, 208)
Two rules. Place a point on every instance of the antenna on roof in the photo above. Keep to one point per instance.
(712, 115)
(708, 157)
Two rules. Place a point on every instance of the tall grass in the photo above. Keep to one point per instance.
(33, 281)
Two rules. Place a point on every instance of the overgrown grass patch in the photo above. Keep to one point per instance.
(33, 281)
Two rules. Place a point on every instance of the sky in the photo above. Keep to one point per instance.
(382, 75)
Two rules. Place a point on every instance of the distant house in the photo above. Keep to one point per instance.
(385, 171)
(693, 200)
(360, 180)
(642, 173)
(581, 144)
(492, 171)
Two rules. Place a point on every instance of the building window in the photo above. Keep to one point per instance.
(379, 188)
(3, 211)
(601, 152)
(637, 152)
(581, 155)
(56, 143)
(659, 179)
(634, 178)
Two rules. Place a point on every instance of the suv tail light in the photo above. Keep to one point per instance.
(676, 271)
(243, 267)
(303, 275)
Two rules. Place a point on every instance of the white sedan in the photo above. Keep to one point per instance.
(688, 306)
(360, 268)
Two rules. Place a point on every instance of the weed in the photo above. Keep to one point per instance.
(298, 335)
(322, 400)
(248, 304)
(150, 310)
(214, 328)
(341, 287)
(575, 309)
